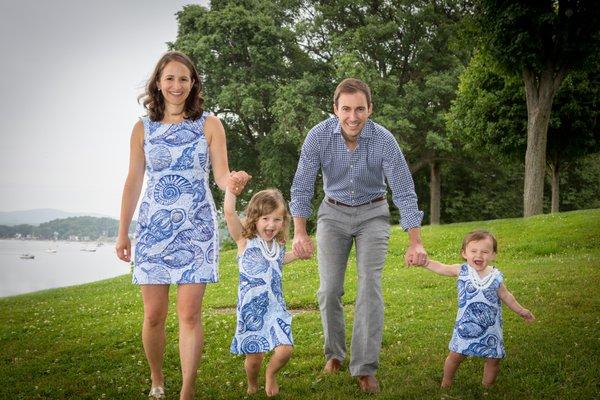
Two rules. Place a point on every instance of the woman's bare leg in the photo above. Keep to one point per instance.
(156, 305)
(191, 335)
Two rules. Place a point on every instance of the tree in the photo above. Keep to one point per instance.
(574, 128)
(541, 41)
(489, 112)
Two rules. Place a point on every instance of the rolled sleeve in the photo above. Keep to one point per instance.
(401, 183)
(303, 186)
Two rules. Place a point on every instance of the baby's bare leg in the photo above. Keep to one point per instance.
(490, 371)
(252, 365)
(450, 366)
(280, 357)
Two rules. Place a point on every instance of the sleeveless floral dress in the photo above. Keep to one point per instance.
(263, 321)
(177, 237)
(478, 328)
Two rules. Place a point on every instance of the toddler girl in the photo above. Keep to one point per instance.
(263, 322)
(478, 328)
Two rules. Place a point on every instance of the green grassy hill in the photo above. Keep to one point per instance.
(84, 342)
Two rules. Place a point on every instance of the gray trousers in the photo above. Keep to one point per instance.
(368, 227)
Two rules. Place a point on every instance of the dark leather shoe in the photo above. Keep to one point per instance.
(368, 384)
(332, 366)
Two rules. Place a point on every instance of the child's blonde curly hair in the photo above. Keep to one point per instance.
(263, 203)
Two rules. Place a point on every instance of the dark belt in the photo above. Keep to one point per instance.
(339, 203)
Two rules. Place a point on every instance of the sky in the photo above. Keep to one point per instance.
(71, 72)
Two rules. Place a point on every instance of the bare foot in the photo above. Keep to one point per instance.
(332, 366)
(446, 384)
(252, 388)
(368, 384)
(271, 386)
(252, 385)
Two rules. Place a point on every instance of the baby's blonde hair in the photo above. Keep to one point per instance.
(263, 203)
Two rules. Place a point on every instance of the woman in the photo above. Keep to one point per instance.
(177, 233)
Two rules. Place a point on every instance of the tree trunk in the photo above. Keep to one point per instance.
(539, 90)
(554, 168)
(435, 192)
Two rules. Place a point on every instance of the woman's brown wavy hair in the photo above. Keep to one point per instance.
(263, 203)
(153, 100)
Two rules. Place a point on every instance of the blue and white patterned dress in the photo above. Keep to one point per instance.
(263, 321)
(478, 328)
(177, 234)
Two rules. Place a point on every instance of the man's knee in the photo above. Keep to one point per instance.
(330, 294)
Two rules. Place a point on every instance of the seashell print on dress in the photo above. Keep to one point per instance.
(168, 235)
(160, 158)
(274, 337)
(162, 225)
(170, 187)
(478, 327)
(186, 160)
(253, 261)
(176, 135)
(276, 288)
(261, 310)
(247, 283)
(285, 328)
(202, 219)
(486, 347)
(181, 252)
(157, 274)
(254, 344)
(466, 291)
(253, 313)
(199, 192)
(476, 319)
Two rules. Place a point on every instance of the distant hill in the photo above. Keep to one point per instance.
(38, 216)
(84, 228)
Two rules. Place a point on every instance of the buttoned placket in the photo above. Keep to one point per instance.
(352, 171)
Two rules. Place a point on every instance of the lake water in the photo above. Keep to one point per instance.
(69, 265)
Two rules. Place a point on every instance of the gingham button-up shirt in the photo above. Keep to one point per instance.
(354, 176)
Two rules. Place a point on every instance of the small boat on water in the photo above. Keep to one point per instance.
(88, 250)
(51, 251)
(27, 256)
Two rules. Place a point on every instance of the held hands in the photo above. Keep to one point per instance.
(236, 181)
(416, 256)
(302, 246)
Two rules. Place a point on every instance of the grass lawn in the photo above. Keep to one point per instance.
(83, 342)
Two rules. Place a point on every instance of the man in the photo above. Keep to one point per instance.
(356, 156)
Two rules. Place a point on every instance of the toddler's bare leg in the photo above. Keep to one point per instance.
(450, 366)
(252, 365)
(280, 357)
(490, 371)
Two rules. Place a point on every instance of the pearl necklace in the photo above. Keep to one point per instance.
(269, 253)
(481, 283)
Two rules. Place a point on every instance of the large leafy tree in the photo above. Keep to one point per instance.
(490, 113)
(541, 41)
